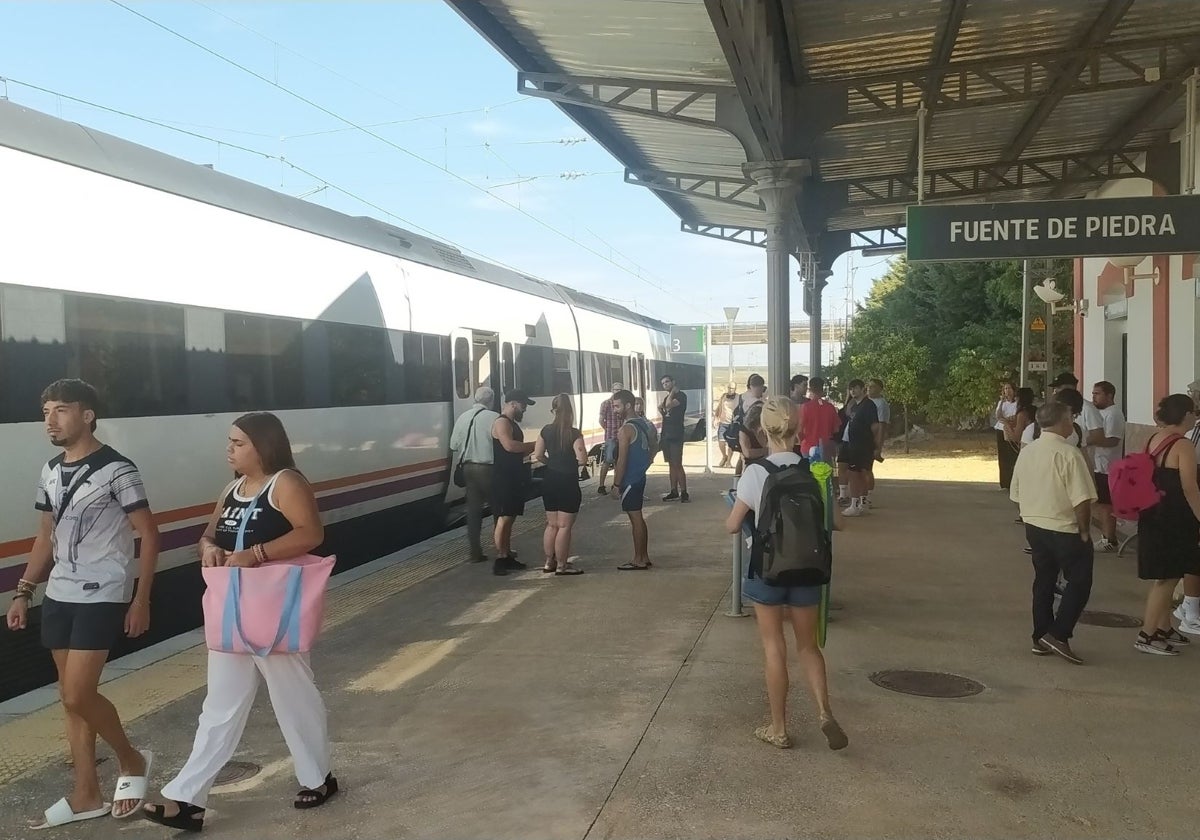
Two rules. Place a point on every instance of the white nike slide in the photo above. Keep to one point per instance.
(133, 788)
(60, 813)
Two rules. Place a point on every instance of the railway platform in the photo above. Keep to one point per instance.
(622, 705)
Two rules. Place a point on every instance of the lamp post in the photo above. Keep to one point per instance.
(731, 313)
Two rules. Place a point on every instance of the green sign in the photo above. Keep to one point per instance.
(687, 339)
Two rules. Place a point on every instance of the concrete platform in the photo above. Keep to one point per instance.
(622, 704)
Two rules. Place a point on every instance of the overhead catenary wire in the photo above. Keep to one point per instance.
(403, 150)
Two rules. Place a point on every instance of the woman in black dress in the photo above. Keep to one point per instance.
(1169, 533)
(560, 448)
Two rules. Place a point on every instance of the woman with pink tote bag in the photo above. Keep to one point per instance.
(268, 513)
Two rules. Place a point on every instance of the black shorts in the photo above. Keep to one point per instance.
(93, 626)
(633, 497)
(1103, 496)
(672, 451)
(561, 493)
(859, 456)
(508, 499)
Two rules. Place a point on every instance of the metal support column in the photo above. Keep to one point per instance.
(1023, 373)
(735, 589)
(1189, 126)
(776, 183)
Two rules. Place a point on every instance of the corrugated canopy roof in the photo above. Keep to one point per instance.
(1024, 99)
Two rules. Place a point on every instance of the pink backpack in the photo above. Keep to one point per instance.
(1131, 481)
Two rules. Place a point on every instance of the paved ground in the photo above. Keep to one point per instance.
(621, 705)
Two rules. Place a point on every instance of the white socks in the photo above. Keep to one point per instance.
(1191, 609)
(843, 491)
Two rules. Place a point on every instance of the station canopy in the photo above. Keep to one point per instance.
(1022, 99)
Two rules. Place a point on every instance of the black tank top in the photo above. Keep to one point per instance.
(509, 468)
(266, 522)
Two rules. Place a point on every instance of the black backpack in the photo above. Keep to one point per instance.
(733, 430)
(791, 545)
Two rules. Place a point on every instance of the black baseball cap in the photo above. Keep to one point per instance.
(517, 396)
(1064, 378)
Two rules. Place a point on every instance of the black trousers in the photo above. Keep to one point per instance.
(1054, 551)
(1007, 455)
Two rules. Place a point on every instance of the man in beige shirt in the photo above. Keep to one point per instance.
(1054, 488)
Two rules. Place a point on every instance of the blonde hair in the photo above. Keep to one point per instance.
(779, 420)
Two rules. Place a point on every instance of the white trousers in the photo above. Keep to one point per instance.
(232, 684)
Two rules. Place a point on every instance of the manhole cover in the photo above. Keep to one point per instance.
(926, 683)
(1098, 618)
(237, 771)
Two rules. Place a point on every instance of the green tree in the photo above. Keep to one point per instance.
(900, 361)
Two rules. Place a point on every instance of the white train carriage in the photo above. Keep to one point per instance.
(188, 296)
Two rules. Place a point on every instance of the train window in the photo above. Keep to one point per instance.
(506, 367)
(534, 373)
(264, 363)
(564, 377)
(33, 353)
(462, 367)
(132, 352)
(425, 360)
(358, 364)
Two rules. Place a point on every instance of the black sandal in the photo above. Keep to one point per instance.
(315, 797)
(189, 818)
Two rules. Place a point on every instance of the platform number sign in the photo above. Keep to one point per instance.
(686, 339)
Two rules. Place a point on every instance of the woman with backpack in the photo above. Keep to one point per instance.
(1169, 531)
(752, 443)
(798, 605)
(560, 447)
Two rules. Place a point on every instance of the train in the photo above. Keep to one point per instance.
(188, 296)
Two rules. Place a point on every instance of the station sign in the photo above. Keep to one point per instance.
(1038, 367)
(685, 339)
(1105, 227)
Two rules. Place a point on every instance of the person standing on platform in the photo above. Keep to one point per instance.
(560, 447)
(884, 410)
(471, 441)
(91, 502)
(273, 507)
(1110, 448)
(855, 397)
(636, 444)
(859, 444)
(798, 390)
(819, 422)
(775, 606)
(1006, 452)
(1053, 486)
(610, 425)
(756, 390)
(673, 410)
(510, 477)
(1169, 532)
(722, 417)
(1188, 612)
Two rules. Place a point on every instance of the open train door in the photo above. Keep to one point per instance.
(637, 376)
(476, 362)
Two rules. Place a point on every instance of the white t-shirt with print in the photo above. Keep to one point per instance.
(1113, 423)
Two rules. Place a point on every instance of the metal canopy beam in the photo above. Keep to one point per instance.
(1010, 79)
(745, 34)
(882, 237)
(741, 235)
(1098, 32)
(682, 102)
(942, 51)
(735, 191)
(977, 180)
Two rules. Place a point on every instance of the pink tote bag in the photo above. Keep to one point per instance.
(277, 607)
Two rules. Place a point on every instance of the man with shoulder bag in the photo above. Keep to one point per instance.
(471, 451)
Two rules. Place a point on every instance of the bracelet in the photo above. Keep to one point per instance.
(26, 588)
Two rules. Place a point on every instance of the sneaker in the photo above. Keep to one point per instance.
(1154, 644)
(672, 496)
(1062, 648)
(602, 490)
(1192, 628)
(1039, 648)
(513, 563)
(855, 510)
(1106, 545)
(684, 497)
(1179, 613)
(498, 567)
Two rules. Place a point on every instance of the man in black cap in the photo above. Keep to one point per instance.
(1091, 419)
(510, 476)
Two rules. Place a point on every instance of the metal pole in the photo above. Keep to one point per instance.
(708, 387)
(1023, 374)
(921, 113)
(730, 315)
(735, 590)
(1189, 159)
(1049, 347)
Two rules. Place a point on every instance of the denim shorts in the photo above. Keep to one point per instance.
(609, 453)
(760, 592)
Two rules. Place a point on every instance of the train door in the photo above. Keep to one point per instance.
(637, 375)
(476, 362)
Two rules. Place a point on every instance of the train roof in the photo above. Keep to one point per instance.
(37, 133)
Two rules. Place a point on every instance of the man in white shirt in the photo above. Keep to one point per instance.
(1108, 448)
(1091, 421)
(471, 443)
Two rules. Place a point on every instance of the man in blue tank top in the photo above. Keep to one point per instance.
(637, 441)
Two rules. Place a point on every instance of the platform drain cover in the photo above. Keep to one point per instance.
(1098, 618)
(237, 771)
(926, 683)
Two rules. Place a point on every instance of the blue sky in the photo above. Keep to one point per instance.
(424, 81)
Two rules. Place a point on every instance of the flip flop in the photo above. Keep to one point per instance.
(60, 813)
(314, 798)
(632, 567)
(569, 570)
(133, 788)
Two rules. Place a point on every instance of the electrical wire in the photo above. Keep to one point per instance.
(350, 123)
